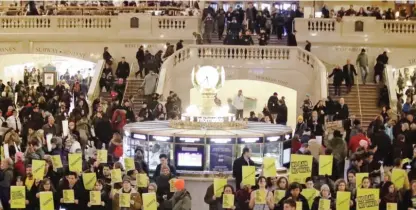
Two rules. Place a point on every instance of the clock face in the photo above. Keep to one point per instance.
(207, 77)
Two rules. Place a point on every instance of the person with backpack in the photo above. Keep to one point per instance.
(115, 150)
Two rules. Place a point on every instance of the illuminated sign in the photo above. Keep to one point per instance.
(210, 119)
(189, 140)
(273, 138)
(250, 140)
(139, 136)
(160, 138)
(287, 136)
(221, 140)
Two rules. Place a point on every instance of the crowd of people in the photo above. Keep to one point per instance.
(236, 26)
(370, 11)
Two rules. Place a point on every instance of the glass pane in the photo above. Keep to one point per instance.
(256, 152)
(264, 6)
(274, 150)
(155, 149)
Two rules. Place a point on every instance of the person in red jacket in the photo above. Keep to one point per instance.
(355, 141)
(19, 165)
(296, 144)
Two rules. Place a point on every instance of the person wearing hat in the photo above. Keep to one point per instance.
(135, 199)
(300, 126)
(324, 194)
(181, 199)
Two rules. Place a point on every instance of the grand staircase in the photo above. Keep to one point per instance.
(273, 40)
(367, 97)
(133, 88)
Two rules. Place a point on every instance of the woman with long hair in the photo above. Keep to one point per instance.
(257, 203)
(342, 186)
(46, 186)
(389, 194)
(228, 189)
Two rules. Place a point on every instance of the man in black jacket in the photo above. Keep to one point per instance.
(349, 72)
(272, 105)
(342, 110)
(163, 161)
(140, 61)
(244, 160)
(123, 69)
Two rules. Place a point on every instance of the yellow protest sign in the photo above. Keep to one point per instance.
(298, 205)
(172, 185)
(102, 156)
(116, 176)
(398, 177)
(149, 201)
(260, 197)
(227, 201)
(391, 206)
(95, 198)
(278, 195)
(68, 196)
(129, 164)
(56, 161)
(46, 201)
(300, 168)
(310, 195)
(269, 167)
(367, 199)
(324, 204)
(38, 169)
(249, 175)
(89, 180)
(142, 180)
(219, 186)
(404, 161)
(29, 183)
(125, 200)
(325, 164)
(359, 179)
(17, 197)
(75, 162)
(343, 200)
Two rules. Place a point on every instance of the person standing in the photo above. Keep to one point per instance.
(382, 61)
(272, 105)
(239, 105)
(150, 84)
(208, 28)
(140, 61)
(250, 17)
(362, 63)
(123, 69)
(179, 45)
(308, 46)
(238, 164)
(349, 72)
(107, 56)
(338, 78)
(342, 112)
(221, 23)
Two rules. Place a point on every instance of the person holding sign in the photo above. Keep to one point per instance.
(104, 197)
(294, 194)
(409, 198)
(181, 199)
(47, 186)
(227, 201)
(213, 192)
(162, 182)
(389, 194)
(261, 199)
(135, 198)
(238, 164)
(325, 194)
(19, 195)
(72, 183)
(366, 183)
(342, 189)
(7, 174)
(163, 162)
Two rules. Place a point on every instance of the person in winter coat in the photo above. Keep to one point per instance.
(349, 72)
(150, 84)
(272, 105)
(162, 181)
(72, 183)
(106, 79)
(362, 63)
(208, 28)
(383, 143)
(294, 193)
(282, 113)
(135, 198)
(324, 194)
(115, 149)
(6, 173)
(338, 79)
(390, 194)
(140, 60)
(105, 199)
(181, 199)
(107, 56)
(123, 69)
(119, 119)
(244, 160)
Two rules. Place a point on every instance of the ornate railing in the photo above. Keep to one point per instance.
(94, 89)
(208, 52)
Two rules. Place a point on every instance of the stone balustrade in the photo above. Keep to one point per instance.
(126, 26)
(356, 30)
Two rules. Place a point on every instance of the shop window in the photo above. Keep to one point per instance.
(134, 22)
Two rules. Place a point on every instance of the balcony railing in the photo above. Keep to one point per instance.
(360, 30)
(124, 26)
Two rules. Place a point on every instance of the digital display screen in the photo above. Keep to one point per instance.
(286, 155)
(189, 159)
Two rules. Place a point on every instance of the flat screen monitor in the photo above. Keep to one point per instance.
(189, 157)
(286, 155)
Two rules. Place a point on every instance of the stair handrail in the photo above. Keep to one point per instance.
(390, 75)
(359, 99)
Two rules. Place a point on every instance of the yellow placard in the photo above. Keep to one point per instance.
(219, 186)
(89, 180)
(149, 201)
(249, 175)
(300, 168)
(299, 205)
(124, 200)
(102, 156)
(29, 183)
(310, 195)
(38, 169)
(75, 162)
(46, 201)
(324, 204)
(343, 200)
(278, 195)
(398, 177)
(68, 196)
(359, 179)
(172, 185)
(56, 161)
(325, 164)
(391, 206)
(17, 197)
(260, 197)
(227, 201)
(269, 167)
(367, 199)
(142, 180)
(116, 176)
(95, 198)
(406, 160)
(129, 164)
